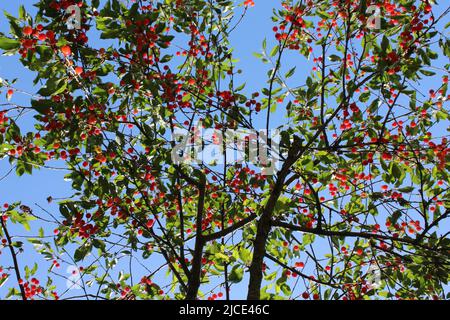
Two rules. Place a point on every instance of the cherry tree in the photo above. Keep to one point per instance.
(356, 203)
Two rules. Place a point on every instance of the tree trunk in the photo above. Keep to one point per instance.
(262, 233)
(265, 223)
(196, 271)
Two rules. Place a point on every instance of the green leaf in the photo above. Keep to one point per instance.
(99, 244)
(290, 72)
(82, 252)
(274, 51)
(236, 274)
(308, 238)
(334, 58)
(22, 12)
(364, 97)
(222, 256)
(271, 276)
(406, 189)
(9, 44)
(395, 170)
(13, 22)
(42, 106)
(384, 44)
(53, 88)
(285, 289)
(427, 72)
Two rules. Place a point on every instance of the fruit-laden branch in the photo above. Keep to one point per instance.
(433, 224)
(304, 276)
(364, 235)
(227, 231)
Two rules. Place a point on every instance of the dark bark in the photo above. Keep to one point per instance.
(196, 270)
(263, 229)
(14, 258)
(265, 223)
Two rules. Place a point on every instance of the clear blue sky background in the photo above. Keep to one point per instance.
(43, 183)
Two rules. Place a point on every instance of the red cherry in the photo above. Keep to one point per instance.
(150, 223)
(9, 94)
(66, 51)
(28, 31)
(78, 70)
